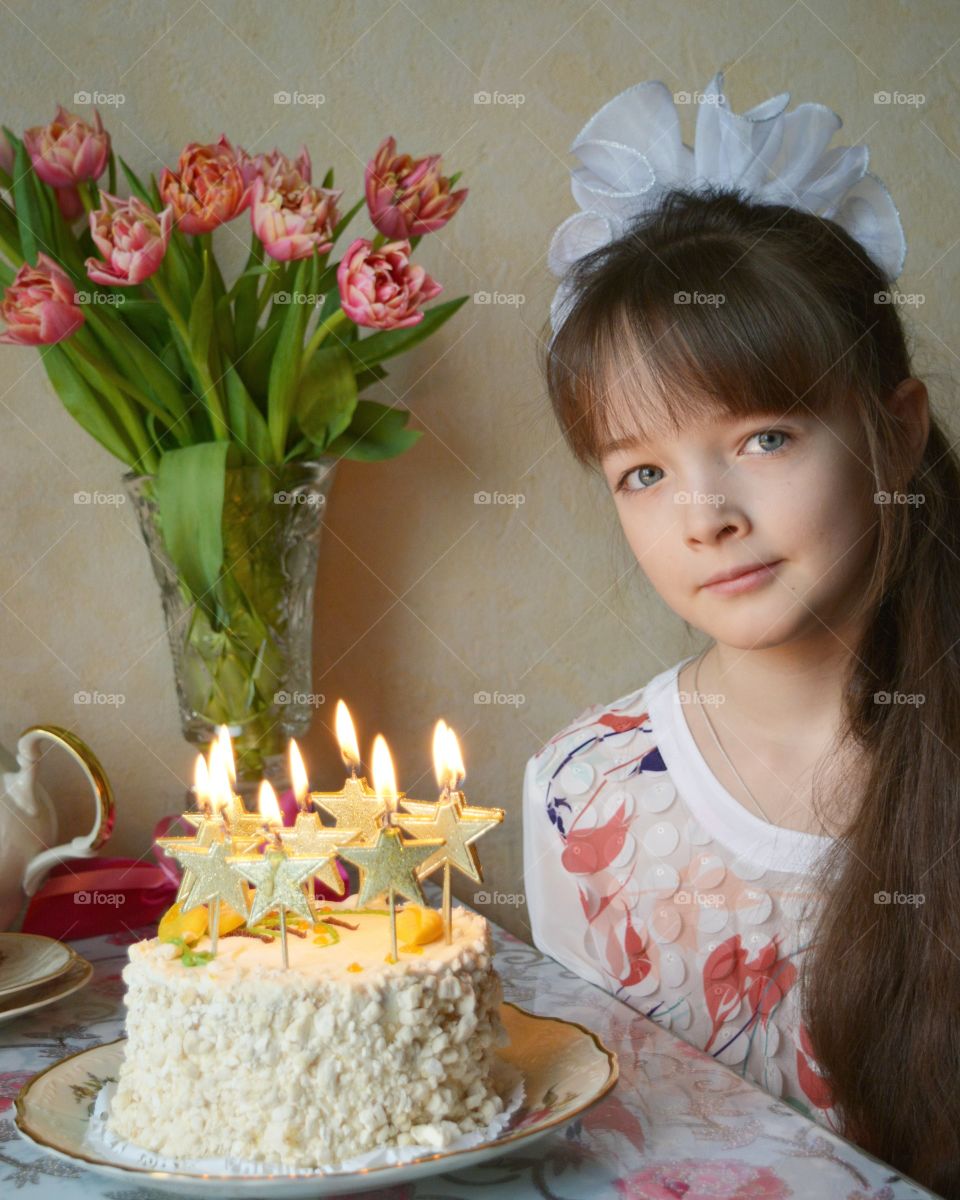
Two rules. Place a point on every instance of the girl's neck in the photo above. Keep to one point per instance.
(784, 695)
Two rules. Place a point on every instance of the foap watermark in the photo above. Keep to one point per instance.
(713, 699)
(300, 99)
(114, 298)
(105, 498)
(915, 898)
(907, 99)
(712, 498)
(508, 499)
(914, 498)
(698, 98)
(499, 899)
(916, 699)
(114, 899)
(507, 99)
(301, 699)
(511, 299)
(307, 499)
(510, 699)
(906, 299)
(109, 699)
(701, 899)
(712, 298)
(312, 299)
(103, 99)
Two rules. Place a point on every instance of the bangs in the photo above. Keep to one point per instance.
(637, 358)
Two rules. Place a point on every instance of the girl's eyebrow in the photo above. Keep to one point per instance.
(624, 443)
(640, 439)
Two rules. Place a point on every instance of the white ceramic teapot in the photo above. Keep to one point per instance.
(28, 820)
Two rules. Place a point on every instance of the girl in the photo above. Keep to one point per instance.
(759, 848)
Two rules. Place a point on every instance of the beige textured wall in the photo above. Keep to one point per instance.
(424, 597)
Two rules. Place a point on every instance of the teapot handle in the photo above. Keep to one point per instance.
(80, 847)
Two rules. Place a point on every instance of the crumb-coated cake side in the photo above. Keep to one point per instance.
(342, 1052)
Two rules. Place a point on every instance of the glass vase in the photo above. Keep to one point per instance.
(242, 656)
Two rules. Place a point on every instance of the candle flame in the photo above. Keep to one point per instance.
(347, 736)
(268, 805)
(447, 759)
(201, 783)
(384, 777)
(298, 774)
(439, 744)
(226, 747)
(220, 788)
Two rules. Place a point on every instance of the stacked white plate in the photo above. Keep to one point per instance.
(35, 971)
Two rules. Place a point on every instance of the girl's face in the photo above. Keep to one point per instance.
(734, 493)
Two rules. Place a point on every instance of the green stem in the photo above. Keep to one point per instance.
(208, 388)
(271, 280)
(319, 334)
(129, 389)
(170, 308)
(146, 459)
(84, 189)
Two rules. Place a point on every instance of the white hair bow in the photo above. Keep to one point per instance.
(631, 152)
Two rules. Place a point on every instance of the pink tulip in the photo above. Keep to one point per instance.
(39, 305)
(274, 166)
(293, 221)
(68, 150)
(406, 196)
(207, 188)
(131, 237)
(382, 288)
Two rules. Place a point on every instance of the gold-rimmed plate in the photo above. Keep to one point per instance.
(565, 1068)
(29, 959)
(76, 976)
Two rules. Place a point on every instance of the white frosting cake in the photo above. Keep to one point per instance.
(340, 1053)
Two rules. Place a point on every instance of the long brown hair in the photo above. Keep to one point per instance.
(807, 319)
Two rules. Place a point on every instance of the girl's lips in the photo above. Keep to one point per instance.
(746, 582)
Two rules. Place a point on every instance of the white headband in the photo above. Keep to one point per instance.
(631, 153)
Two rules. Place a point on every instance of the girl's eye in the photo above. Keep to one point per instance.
(643, 483)
(766, 433)
(625, 486)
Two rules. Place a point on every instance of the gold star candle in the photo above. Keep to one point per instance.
(278, 878)
(308, 836)
(213, 794)
(356, 806)
(390, 864)
(457, 823)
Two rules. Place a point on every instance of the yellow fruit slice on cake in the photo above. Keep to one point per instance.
(418, 926)
(190, 926)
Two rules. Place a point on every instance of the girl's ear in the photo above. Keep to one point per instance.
(910, 405)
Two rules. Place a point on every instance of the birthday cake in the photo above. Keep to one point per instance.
(344, 1051)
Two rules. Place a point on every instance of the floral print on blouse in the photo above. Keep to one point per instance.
(645, 876)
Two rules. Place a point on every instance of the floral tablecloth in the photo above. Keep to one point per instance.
(678, 1123)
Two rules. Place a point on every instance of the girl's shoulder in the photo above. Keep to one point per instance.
(627, 719)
